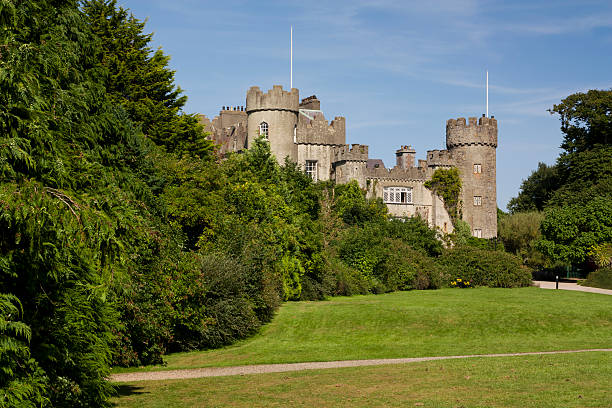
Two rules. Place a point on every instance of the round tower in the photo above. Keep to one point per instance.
(274, 115)
(473, 151)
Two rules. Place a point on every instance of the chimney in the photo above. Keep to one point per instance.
(405, 157)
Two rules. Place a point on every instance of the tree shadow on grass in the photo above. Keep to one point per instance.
(127, 390)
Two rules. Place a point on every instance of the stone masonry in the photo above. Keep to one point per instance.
(299, 131)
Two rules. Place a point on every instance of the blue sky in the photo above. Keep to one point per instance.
(397, 70)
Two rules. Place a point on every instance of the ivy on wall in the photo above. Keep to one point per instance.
(446, 183)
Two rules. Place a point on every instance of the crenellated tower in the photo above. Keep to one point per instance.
(349, 163)
(274, 114)
(473, 150)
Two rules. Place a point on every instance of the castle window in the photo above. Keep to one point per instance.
(477, 233)
(477, 168)
(263, 130)
(477, 200)
(397, 195)
(311, 169)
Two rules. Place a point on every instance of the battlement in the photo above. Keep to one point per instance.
(231, 116)
(478, 131)
(439, 158)
(312, 102)
(275, 99)
(396, 173)
(314, 129)
(355, 152)
(228, 139)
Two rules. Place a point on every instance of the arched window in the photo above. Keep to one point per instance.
(263, 130)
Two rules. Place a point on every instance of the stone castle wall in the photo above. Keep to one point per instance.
(350, 164)
(319, 131)
(299, 130)
(279, 109)
(470, 145)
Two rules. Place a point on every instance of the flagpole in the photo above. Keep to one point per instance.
(487, 93)
(291, 80)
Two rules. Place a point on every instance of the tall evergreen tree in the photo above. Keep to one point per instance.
(141, 81)
(74, 201)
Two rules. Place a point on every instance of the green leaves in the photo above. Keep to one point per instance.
(446, 183)
(570, 232)
(575, 192)
(140, 81)
(586, 120)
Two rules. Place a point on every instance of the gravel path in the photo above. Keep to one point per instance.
(279, 368)
(571, 286)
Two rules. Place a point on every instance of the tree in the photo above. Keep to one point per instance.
(520, 232)
(570, 232)
(354, 208)
(140, 80)
(536, 190)
(583, 176)
(586, 120)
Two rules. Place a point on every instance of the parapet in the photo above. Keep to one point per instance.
(228, 139)
(232, 116)
(310, 103)
(275, 99)
(204, 121)
(439, 158)
(481, 131)
(314, 129)
(356, 152)
(397, 173)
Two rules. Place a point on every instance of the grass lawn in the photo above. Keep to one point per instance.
(419, 323)
(564, 380)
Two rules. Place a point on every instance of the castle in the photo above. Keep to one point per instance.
(298, 130)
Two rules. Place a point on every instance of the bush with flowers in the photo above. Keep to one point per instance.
(461, 283)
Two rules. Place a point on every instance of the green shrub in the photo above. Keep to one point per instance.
(601, 278)
(405, 268)
(486, 268)
(347, 281)
(416, 233)
(22, 382)
(228, 306)
(354, 208)
(388, 264)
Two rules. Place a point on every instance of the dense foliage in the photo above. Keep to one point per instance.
(141, 82)
(601, 278)
(123, 239)
(447, 184)
(536, 190)
(520, 233)
(575, 193)
(486, 268)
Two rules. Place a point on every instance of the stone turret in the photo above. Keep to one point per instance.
(472, 148)
(482, 132)
(277, 113)
(350, 164)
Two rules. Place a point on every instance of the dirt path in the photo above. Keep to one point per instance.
(279, 368)
(571, 286)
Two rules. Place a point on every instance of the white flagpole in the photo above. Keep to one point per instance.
(487, 93)
(291, 81)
